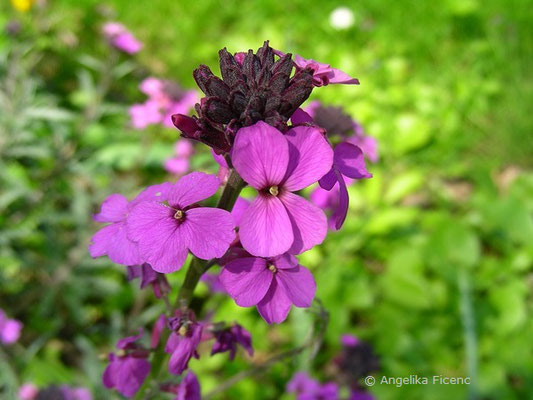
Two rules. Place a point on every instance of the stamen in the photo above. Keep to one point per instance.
(182, 331)
(272, 268)
(274, 191)
(178, 215)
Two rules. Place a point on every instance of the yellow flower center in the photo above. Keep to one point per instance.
(274, 191)
(179, 214)
(272, 268)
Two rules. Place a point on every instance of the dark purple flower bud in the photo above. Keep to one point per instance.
(182, 342)
(148, 276)
(253, 87)
(227, 340)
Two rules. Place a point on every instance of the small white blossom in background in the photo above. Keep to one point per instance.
(341, 18)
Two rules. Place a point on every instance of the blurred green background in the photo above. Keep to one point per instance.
(434, 264)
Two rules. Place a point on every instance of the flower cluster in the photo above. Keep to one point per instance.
(9, 329)
(261, 138)
(121, 38)
(165, 98)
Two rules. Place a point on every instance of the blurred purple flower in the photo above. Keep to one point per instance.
(148, 276)
(276, 165)
(273, 285)
(359, 394)
(179, 164)
(112, 240)
(307, 388)
(165, 98)
(121, 38)
(28, 391)
(166, 233)
(157, 330)
(9, 329)
(227, 340)
(182, 342)
(189, 388)
(127, 371)
(76, 393)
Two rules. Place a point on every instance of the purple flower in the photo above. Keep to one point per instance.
(179, 164)
(359, 394)
(127, 371)
(276, 165)
(76, 393)
(120, 38)
(227, 340)
(9, 329)
(223, 170)
(164, 99)
(28, 391)
(272, 285)
(148, 276)
(182, 343)
(348, 161)
(157, 330)
(324, 74)
(307, 388)
(165, 233)
(112, 240)
(189, 388)
(349, 340)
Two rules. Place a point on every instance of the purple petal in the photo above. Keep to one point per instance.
(241, 205)
(329, 180)
(192, 188)
(337, 76)
(246, 280)
(339, 215)
(177, 166)
(298, 284)
(275, 306)
(126, 342)
(109, 378)
(260, 155)
(300, 117)
(120, 249)
(157, 330)
(310, 157)
(101, 239)
(160, 238)
(265, 229)
(309, 222)
(285, 261)
(131, 374)
(152, 193)
(350, 161)
(210, 231)
(10, 331)
(189, 388)
(114, 209)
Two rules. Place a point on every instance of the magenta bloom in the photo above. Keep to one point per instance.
(148, 276)
(127, 372)
(276, 165)
(28, 391)
(182, 343)
(179, 164)
(9, 329)
(227, 340)
(165, 233)
(75, 393)
(112, 239)
(324, 74)
(272, 285)
(307, 388)
(189, 388)
(348, 161)
(165, 98)
(121, 38)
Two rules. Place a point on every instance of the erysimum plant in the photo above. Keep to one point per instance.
(245, 117)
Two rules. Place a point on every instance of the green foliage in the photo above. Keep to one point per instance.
(433, 266)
